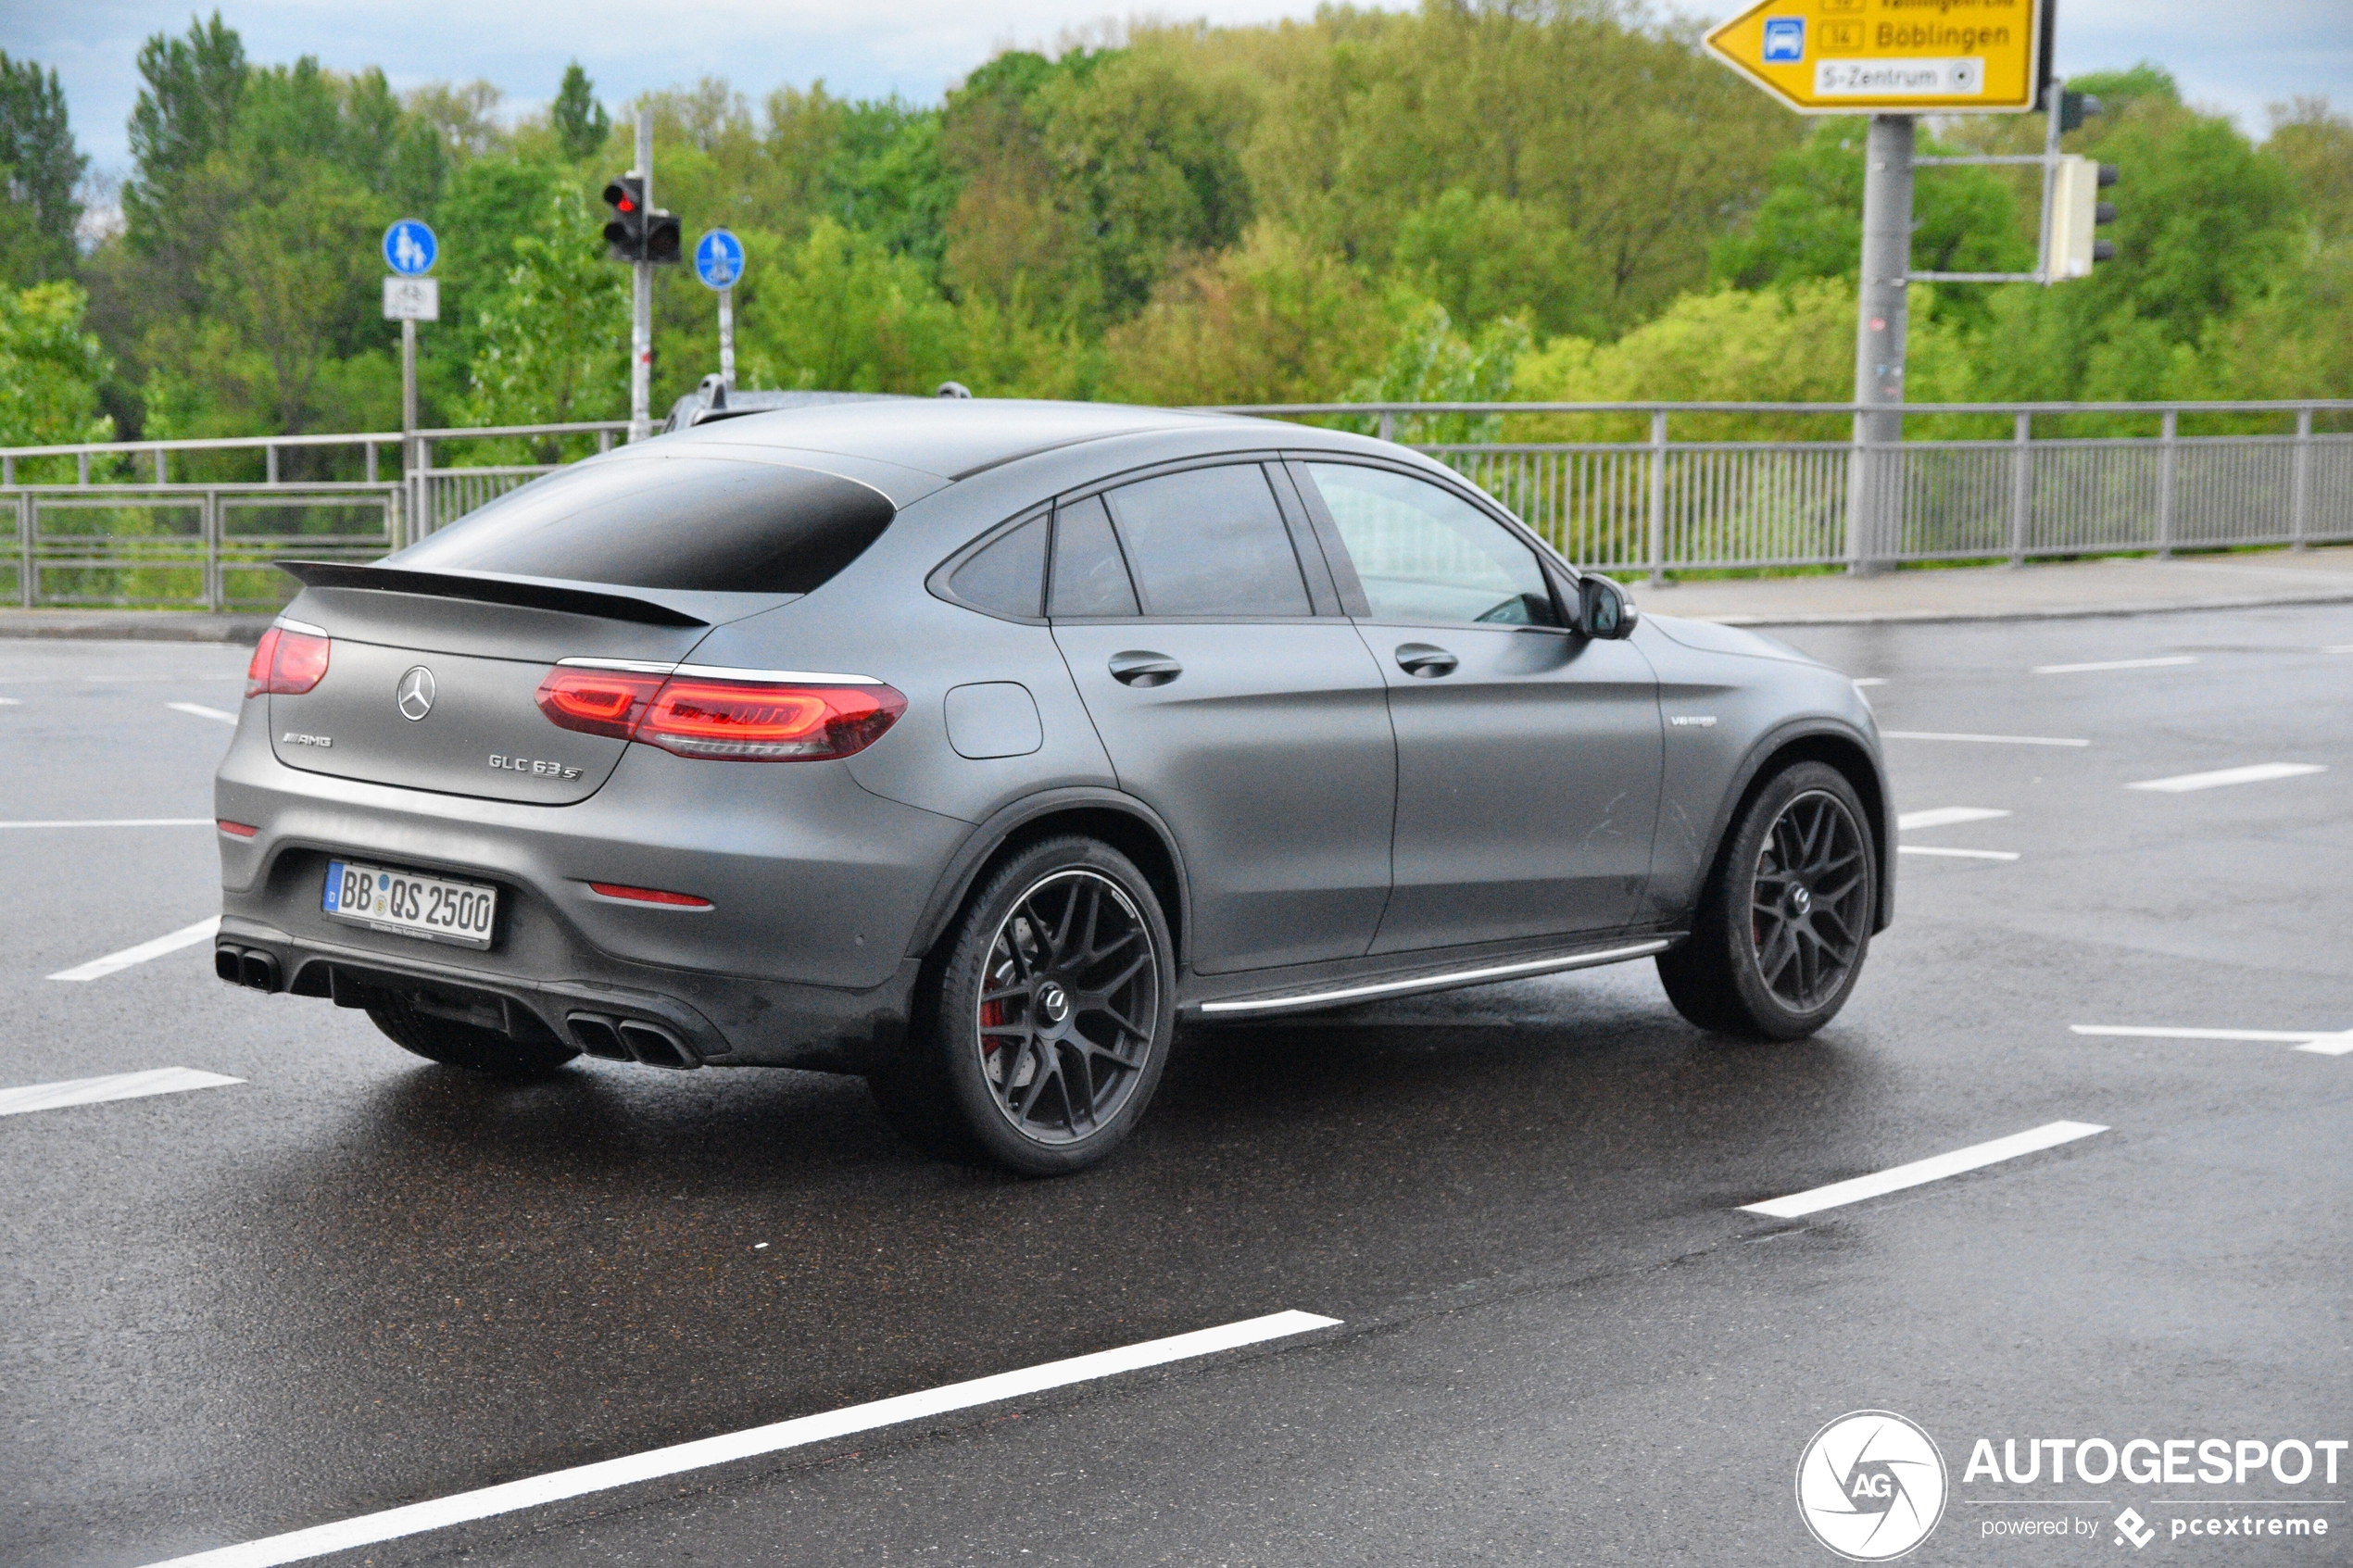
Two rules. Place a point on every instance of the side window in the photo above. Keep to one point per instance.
(1090, 576)
(1429, 556)
(1210, 541)
(1009, 577)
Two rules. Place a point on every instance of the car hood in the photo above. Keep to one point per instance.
(1709, 637)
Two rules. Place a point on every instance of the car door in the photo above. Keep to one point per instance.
(1528, 758)
(1186, 606)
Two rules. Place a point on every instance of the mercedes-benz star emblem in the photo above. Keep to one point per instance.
(414, 694)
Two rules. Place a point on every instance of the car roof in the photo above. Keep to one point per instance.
(951, 437)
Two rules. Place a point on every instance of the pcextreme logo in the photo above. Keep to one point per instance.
(1870, 1486)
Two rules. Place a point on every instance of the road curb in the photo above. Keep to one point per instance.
(150, 626)
(2052, 612)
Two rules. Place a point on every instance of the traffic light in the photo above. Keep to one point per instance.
(2075, 108)
(637, 233)
(2076, 213)
(625, 235)
(661, 236)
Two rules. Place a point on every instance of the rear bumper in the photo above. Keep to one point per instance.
(630, 1013)
(802, 961)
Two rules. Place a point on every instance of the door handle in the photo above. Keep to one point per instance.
(1425, 659)
(1142, 668)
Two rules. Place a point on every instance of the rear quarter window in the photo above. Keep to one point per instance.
(696, 524)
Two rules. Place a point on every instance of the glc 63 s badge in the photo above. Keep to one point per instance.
(529, 765)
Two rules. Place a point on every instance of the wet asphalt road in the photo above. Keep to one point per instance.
(356, 1281)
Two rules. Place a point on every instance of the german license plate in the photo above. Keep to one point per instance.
(410, 905)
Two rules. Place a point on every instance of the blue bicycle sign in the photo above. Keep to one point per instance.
(718, 260)
(409, 248)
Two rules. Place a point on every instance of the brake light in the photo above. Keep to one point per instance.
(722, 720)
(598, 702)
(288, 663)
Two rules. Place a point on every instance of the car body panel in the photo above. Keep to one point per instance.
(1261, 789)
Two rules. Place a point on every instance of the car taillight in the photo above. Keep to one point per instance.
(286, 662)
(722, 720)
(598, 702)
(748, 722)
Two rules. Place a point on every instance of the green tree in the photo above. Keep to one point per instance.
(2316, 148)
(50, 368)
(841, 312)
(185, 113)
(1271, 320)
(553, 342)
(580, 121)
(39, 172)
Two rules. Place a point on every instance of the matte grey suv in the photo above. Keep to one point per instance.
(969, 745)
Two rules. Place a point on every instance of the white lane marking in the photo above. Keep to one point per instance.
(1957, 854)
(2319, 1042)
(1946, 816)
(118, 1086)
(1870, 680)
(115, 823)
(2116, 664)
(187, 936)
(1935, 1168)
(1990, 740)
(2338, 647)
(201, 711)
(2256, 773)
(11, 702)
(393, 1523)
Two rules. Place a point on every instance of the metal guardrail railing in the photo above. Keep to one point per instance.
(194, 524)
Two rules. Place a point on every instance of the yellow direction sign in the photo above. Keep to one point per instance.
(1890, 56)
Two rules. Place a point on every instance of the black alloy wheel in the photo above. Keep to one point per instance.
(1810, 914)
(1045, 1018)
(1784, 923)
(1068, 1017)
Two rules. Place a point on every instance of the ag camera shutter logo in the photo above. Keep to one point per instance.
(1870, 1486)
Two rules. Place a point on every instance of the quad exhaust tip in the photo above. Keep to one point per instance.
(248, 966)
(630, 1039)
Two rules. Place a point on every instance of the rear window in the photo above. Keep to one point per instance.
(705, 524)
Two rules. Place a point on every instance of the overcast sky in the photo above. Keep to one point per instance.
(2236, 58)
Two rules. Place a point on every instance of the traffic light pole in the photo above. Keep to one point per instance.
(1879, 337)
(641, 306)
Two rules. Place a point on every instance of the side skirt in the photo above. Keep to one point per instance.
(1338, 991)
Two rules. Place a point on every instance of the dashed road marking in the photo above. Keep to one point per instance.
(201, 711)
(2319, 1042)
(1957, 854)
(2116, 664)
(1870, 680)
(1990, 740)
(1920, 1172)
(2258, 773)
(1945, 817)
(187, 936)
(114, 822)
(116, 1086)
(506, 1497)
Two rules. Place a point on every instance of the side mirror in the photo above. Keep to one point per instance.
(1603, 610)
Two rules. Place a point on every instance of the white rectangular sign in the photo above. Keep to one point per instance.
(1899, 78)
(412, 299)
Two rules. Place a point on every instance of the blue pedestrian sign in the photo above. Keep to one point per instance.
(718, 260)
(409, 248)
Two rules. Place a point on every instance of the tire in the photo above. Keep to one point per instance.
(1044, 1021)
(1784, 923)
(476, 1049)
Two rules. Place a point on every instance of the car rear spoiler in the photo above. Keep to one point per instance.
(487, 590)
